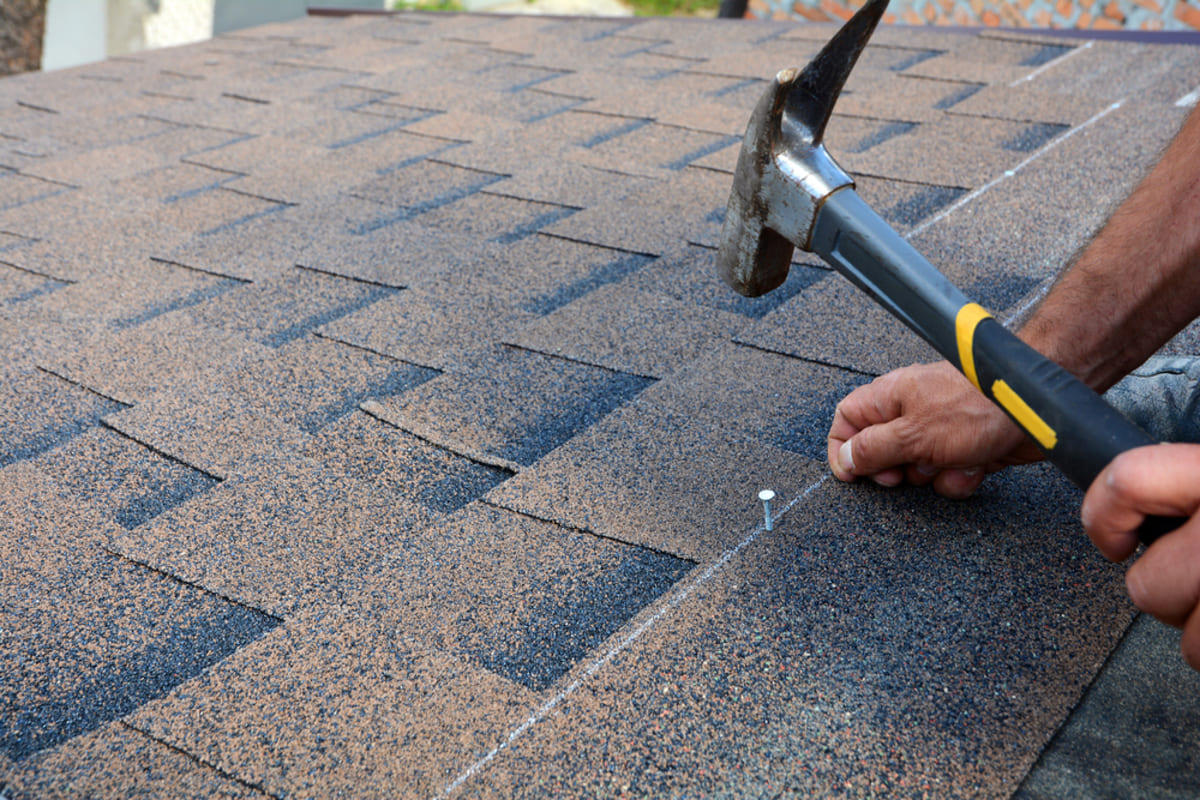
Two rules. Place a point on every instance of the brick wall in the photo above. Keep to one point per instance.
(1146, 15)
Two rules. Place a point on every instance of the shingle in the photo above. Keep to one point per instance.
(96, 166)
(114, 758)
(41, 411)
(19, 286)
(512, 406)
(169, 352)
(176, 182)
(287, 307)
(121, 478)
(304, 535)
(93, 648)
(311, 382)
(659, 479)
(525, 599)
(437, 325)
(780, 401)
(365, 448)
(252, 154)
(134, 296)
(408, 331)
(626, 330)
(434, 710)
(689, 274)
(687, 207)
(88, 241)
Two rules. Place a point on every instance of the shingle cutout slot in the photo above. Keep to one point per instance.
(885, 131)
(913, 59)
(271, 207)
(289, 308)
(1034, 137)
(708, 149)
(370, 134)
(143, 635)
(366, 295)
(462, 183)
(17, 189)
(806, 432)
(550, 636)
(1046, 54)
(375, 452)
(128, 480)
(547, 106)
(18, 285)
(316, 381)
(752, 87)
(514, 78)
(691, 277)
(46, 412)
(923, 202)
(613, 133)
(533, 225)
(615, 270)
(400, 378)
(210, 288)
(518, 407)
(957, 96)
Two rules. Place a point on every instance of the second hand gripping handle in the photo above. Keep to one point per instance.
(1077, 430)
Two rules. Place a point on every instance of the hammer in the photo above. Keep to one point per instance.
(789, 192)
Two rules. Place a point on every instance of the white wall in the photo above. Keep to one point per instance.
(76, 33)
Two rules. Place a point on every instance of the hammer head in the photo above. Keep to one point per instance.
(783, 172)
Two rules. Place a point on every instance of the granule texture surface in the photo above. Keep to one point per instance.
(374, 423)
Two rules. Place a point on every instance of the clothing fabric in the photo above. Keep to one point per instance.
(1162, 397)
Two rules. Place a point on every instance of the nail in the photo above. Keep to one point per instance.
(846, 457)
(766, 495)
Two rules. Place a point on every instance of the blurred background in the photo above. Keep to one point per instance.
(52, 34)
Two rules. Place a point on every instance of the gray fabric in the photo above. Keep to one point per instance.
(1163, 397)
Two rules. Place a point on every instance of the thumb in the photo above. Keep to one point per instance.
(878, 448)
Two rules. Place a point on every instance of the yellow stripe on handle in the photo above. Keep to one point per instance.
(965, 323)
(1025, 416)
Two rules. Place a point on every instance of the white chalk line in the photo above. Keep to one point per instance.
(672, 602)
(1190, 99)
(1054, 62)
(1042, 291)
(1046, 148)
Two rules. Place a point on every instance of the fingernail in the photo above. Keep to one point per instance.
(926, 470)
(846, 457)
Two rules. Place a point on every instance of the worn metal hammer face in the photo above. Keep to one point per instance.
(788, 192)
(784, 172)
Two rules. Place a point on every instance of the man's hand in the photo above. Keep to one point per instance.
(1161, 479)
(924, 424)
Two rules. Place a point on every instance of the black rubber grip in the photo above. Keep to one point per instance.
(1077, 430)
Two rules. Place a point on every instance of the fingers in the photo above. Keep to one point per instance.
(1161, 479)
(1165, 581)
(923, 424)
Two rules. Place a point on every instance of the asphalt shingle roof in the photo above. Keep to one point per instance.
(374, 423)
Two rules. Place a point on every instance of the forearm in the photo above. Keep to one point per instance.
(1137, 283)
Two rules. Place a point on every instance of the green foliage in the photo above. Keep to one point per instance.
(674, 8)
(427, 5)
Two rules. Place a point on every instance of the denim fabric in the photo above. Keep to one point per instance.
(1163, 397)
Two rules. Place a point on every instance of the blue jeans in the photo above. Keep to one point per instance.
(1163, 398)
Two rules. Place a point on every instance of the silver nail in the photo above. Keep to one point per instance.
(766, 495)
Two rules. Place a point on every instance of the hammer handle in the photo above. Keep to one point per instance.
(1077, 430)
